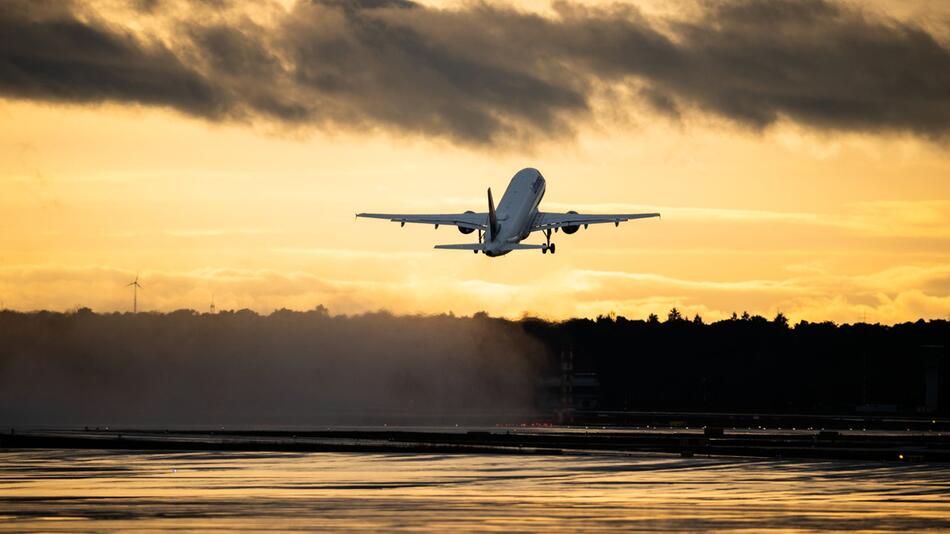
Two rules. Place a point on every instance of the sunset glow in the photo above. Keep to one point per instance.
(777, 208)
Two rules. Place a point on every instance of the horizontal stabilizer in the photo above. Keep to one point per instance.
(479, 246)
(463, 246)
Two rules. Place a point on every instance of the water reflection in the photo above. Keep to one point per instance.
(89, 490)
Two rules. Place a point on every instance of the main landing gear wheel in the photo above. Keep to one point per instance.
(548, 245)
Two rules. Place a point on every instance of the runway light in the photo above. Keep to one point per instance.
(900, 456)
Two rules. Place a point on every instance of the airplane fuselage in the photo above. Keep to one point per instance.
(516, 211)
(503, 228)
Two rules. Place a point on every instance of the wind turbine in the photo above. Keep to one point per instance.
(135, 293)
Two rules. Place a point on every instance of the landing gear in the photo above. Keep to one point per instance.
(479, 240)
(548, 245)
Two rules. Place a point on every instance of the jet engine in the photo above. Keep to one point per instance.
(466, 230)
(570, 229)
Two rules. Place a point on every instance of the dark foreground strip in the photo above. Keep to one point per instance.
(820, 445)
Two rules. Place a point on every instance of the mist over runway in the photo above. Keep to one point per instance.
(289, 368)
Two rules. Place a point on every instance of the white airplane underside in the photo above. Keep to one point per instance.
(501, 230)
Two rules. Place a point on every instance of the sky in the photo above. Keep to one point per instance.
(797, 150)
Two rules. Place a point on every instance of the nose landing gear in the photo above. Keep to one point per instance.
(548, 245)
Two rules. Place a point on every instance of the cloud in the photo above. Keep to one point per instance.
(217, 232)
(813, 292)
(910, 219)
(893, 295)
(485, 74)
(354, 254)
(52, 54)
(925, 218)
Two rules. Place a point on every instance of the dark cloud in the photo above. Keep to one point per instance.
(491, 74)
(47, 53)
(818, 63)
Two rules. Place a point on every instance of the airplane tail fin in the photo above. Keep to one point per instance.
(492, 218)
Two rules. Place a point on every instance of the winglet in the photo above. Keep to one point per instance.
(492, 218)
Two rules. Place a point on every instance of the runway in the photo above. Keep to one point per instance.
(874, 445)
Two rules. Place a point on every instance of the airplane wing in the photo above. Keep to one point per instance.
(469, 219)
(548, 221)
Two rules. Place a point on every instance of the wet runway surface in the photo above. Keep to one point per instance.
(844, 445)
(93, 490)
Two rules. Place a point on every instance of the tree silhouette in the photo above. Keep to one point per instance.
(781, 320)
(674, 316)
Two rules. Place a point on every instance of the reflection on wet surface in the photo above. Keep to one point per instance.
(53, 490)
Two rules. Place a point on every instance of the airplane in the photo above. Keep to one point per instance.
(514, 220)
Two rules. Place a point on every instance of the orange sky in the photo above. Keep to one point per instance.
(819, 223)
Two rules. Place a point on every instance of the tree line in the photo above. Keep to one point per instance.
(308, 367)
(751, 363)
